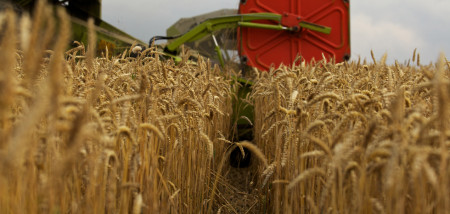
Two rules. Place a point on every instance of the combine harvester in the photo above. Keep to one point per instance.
(266, 34)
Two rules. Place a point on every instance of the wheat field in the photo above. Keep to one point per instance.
(82, 133)
(355, 138)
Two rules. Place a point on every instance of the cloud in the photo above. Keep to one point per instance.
(382, 37)
(427, 20)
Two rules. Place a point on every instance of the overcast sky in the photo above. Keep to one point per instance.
(394, 27)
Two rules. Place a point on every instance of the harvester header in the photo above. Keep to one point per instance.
(270, 33)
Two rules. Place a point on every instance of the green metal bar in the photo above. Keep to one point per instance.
(219, 55)
(264, 26)
(218, 51)
(315, 27)
(176, 59)
(245, 20)
(214, 24)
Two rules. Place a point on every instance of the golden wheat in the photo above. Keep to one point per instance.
(86, 134)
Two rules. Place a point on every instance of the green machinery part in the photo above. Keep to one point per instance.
(209, 26)
(108, 36)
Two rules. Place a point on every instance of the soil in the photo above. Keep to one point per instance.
(238, 190)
